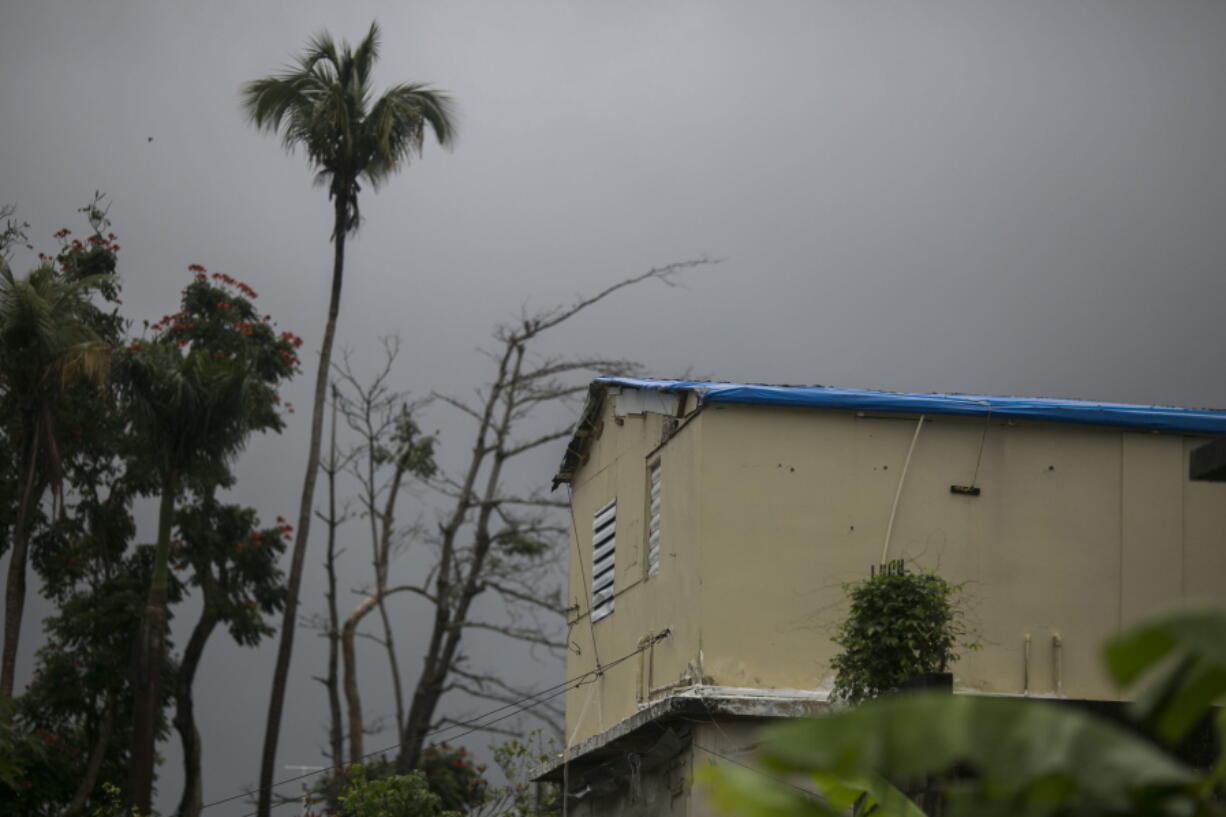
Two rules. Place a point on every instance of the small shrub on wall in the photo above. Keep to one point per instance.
(901, 624)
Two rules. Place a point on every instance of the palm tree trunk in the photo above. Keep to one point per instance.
(335, 731)
(15, 590)
(151, 644)
(192, 801)
(276, 703)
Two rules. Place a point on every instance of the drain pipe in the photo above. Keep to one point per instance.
(1057, 662)
(889, 529)
(1026, 665)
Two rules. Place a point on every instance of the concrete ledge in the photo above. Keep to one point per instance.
(640, 733)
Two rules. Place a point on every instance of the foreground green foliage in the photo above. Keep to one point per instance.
(1000, 756)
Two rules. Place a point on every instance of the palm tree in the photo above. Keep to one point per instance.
(192, 410)
(46, 344)
(324, 104)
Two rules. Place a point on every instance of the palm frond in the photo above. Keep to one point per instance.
(396, 127)
(363, 60)
(323, 104)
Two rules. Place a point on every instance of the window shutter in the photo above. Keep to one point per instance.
(604, 543)
(653, 519)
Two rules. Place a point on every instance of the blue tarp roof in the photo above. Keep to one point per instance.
(1158, 418)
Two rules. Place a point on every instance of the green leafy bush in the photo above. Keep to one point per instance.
(398, 795)
(900, 624)
(449, 773)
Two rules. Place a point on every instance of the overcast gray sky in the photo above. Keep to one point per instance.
(1011, 198)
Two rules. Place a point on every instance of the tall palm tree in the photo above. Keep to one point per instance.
(46, 344)
(324, 104)
(191, 409)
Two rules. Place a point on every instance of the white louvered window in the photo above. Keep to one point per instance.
(653, 519)
(604, 544)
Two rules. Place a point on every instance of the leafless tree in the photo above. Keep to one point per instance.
(489, 541)
(391, 453)
(330, 626)
(488, 538)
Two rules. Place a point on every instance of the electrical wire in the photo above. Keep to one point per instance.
(474, 725)
(781, 781)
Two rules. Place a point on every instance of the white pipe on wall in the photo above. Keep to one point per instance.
(889, 528)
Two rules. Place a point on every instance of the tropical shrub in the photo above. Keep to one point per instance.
(397, 795)
(901, 624)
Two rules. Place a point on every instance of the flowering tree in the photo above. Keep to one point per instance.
(194, 392)
(52, 336)
(74, 724)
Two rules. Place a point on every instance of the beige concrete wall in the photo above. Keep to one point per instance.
(768, 511)
(1078, 531)
(617, 467)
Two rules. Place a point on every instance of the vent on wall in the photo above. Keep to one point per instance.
(604, 544)
(653, 519)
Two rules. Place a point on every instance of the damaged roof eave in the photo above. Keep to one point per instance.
(576, 453)
(588, 427)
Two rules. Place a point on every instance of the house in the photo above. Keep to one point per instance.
(715, 524)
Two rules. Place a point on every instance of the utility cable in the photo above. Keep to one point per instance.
(475, 724)
(783, 782)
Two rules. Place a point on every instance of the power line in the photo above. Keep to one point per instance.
(781, 781)
(431, 733)
(475, 724)
(475, 728)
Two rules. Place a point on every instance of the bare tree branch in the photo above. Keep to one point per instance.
(544, 439)
(551, 605)
(512, 632)
(456, 403)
